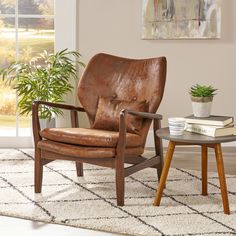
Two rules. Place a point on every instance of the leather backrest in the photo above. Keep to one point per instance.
(124, 79)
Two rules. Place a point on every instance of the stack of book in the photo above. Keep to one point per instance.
(214, 126)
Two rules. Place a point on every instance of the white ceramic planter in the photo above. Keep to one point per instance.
(201, 109)
(201, 106)
(46, 123)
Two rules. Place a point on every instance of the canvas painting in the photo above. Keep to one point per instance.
(180, 19)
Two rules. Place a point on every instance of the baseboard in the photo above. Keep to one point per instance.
(16, 142)
(150, 142)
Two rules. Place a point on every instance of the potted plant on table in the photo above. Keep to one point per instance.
(47, 78)
(202, 96)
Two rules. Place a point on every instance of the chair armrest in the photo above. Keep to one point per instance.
(142, 114)
(35, 116)
(122, 125)
(57, 105)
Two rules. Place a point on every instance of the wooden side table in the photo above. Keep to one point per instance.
(205, 142)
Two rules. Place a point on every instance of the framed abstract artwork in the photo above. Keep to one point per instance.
(181, 19)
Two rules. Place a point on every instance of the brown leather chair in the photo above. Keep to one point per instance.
(120, 97)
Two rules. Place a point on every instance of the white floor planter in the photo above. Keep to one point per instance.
(46, 123)
(201, 106)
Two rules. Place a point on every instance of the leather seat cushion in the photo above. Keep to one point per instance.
(89, 137)
(85, 152)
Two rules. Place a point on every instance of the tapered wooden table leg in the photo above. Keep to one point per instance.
(165, 170)
(221, 173)
(206, 142)
(204, 170)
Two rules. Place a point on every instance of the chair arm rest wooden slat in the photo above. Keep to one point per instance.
(35, 116)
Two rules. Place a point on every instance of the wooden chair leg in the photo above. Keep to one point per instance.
(169, 154)
(38, 171)
(79, 169)
(120, 182)
(158, 147)
(221, 173)
(204, 169)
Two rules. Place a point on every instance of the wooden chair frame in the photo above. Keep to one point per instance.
(43, 157)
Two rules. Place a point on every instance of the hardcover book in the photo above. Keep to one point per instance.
(211, 130)
(211, 120)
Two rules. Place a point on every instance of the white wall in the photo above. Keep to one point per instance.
(114, 26)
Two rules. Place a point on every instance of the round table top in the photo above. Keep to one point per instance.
(193, 138)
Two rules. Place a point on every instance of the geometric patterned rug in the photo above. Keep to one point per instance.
(89, 201)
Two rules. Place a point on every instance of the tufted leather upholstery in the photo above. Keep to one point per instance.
(129, 82)
(108, 114)
(123, 79)
(89, 137)
(85, 151)
(118, 78)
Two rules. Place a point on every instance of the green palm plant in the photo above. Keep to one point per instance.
(46, 77)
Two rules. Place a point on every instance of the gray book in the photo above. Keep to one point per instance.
(211, 120)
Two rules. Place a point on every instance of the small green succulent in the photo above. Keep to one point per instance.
(202, 91)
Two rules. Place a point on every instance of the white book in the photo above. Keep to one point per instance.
(211, 130)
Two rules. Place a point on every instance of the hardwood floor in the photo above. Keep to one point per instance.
(184, 157)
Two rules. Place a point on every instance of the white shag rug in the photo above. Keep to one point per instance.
(89, 201)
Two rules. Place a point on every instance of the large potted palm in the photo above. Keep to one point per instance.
(46, 77)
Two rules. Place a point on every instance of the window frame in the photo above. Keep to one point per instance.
(65, 24)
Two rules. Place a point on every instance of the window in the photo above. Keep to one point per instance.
(61, 15)
(26, 29)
